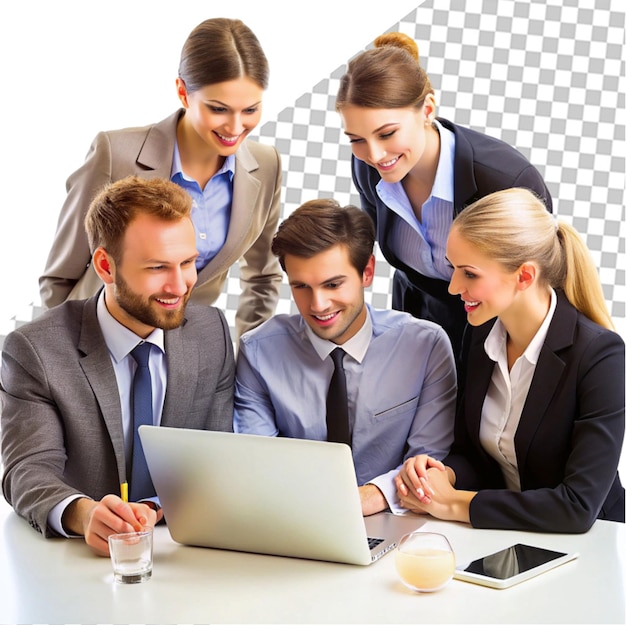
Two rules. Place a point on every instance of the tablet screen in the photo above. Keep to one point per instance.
(512, 561)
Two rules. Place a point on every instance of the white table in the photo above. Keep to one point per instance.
(61, 581)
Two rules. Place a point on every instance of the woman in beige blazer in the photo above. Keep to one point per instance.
(235, 182)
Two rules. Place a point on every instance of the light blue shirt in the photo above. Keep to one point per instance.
(211, 207)
(401, 381)
(422, 245)
(120, 341)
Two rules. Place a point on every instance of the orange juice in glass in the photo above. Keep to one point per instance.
(425, 561)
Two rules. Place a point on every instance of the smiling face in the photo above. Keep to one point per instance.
(150, 286)
(329, 292)
(220, 116)
(394, 141)
(487, 290)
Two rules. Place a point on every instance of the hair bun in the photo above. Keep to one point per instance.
(398, 40)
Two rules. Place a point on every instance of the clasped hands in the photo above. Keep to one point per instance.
(425, 485)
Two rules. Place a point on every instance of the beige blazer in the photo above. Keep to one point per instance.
(148, 152)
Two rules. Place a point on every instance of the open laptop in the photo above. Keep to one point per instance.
(263, 494)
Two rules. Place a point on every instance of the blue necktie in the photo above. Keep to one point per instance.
(140, 482)
(337, 422)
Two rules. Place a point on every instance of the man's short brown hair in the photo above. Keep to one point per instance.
(318, 225)
(120, 202)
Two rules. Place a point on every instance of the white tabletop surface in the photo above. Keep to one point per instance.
(61, 581)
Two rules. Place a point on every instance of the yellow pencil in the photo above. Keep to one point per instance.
(124, 491)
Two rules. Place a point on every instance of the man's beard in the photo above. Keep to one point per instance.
(144, 310)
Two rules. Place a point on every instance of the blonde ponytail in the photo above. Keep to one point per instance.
(581, 283)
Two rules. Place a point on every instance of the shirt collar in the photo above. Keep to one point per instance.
(356, 347)
(177, 166)
(118, 338)
(495, 343)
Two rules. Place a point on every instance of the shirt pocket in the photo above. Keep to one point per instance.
(399, 410)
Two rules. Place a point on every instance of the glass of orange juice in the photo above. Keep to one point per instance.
(425, 561)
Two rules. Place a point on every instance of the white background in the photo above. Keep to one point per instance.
(70, 68)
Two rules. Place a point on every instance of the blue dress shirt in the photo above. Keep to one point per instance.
(211, 207)
(401, 381)
(120, 342)
(422, 245)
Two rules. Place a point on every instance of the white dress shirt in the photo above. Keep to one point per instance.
(507, 394)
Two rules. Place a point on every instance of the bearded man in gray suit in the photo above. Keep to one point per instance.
(66, 377)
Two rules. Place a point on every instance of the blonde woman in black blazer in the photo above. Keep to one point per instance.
(222, 75)
(547, 461)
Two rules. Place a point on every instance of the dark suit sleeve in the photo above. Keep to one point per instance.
(530, 178)
(361, 177)
(588, 485)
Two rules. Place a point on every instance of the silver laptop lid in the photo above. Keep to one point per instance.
(260, 494)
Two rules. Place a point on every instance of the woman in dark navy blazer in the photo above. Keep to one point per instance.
(415, 173)
(540, 421)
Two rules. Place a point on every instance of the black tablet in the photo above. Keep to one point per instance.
(512, 565)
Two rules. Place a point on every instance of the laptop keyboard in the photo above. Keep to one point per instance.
(374, 542)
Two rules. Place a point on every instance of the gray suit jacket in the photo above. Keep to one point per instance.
(60, 407)
(148, 152)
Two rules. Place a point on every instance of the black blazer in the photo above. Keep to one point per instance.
(482, 165)
(569, 438)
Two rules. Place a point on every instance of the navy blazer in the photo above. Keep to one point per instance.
(482, 165)
(569, 438)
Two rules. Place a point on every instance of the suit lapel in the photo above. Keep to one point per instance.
(482, 367)
(182, 376)
(98, 369)
(548, 373)
(160, 140)
(465, 188)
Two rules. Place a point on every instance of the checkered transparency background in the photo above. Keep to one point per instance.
(546, 76)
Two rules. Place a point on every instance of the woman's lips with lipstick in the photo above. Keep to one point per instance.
(470, 306)
(387, 165)
(227, 140)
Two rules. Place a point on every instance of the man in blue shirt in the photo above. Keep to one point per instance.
(400, 371)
